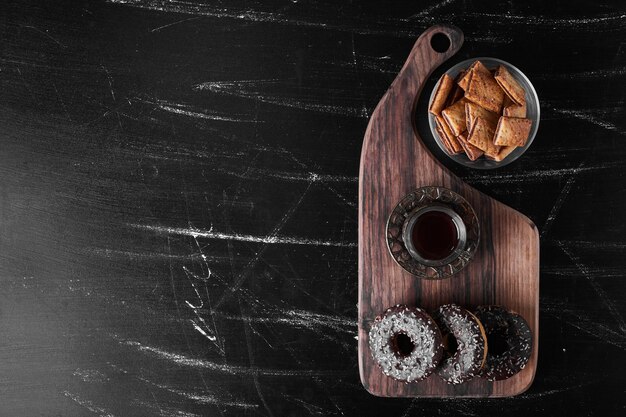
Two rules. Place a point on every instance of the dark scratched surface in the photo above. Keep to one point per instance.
(178, 201)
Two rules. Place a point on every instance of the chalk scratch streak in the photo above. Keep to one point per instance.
(597, 288)
(297, 318)
(429, 10)
(256, 173)
(559, 202)
(88, 405)
(200, 398)
(546, 393)
(184, 360)
(241, 278)
(583, 75)
(245, 89)
(255, 377)
(46, 34)
(532, 175)
(587, 117)
(586, 244)
(189, 111)
(272, 238)
(595, 329)
(90, 375)
(175, 23)
(392, 27)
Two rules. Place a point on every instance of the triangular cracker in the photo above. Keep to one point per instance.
(447, 137)
(455, 117)
(472, 152)
(484, 90)
(472, 111)
(464, 77)
(512, 131)
(444, 140)
(510, 86)
(480, 67)
(444, 87)
(456, 94)
(481, 136)
(511, 109)
(504, 152)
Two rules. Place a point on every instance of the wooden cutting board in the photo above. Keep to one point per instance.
(504, 270)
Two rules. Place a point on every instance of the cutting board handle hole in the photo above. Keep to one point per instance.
(440, 42)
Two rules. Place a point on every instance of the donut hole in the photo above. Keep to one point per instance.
(497, 344)
(450, 345)
(401, 344)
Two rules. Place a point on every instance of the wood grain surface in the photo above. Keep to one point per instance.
(179, 201)
(504, 270)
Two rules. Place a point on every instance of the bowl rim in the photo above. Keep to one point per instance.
(462, 159)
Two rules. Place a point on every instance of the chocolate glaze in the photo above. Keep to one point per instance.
(509, 342)
(464, 353)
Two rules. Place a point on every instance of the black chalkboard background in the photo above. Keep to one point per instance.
(178, 201)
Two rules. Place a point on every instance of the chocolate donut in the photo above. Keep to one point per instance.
(509, 342)
(406, 343)
(464, 344)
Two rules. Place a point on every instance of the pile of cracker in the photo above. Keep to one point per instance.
(481, 113)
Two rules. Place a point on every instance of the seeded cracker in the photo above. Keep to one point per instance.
(465, 78)
(510, 86)
(513, 110)
(472, 152)
(484, 90)
(455, 117)
(472, 111)
(481, 136)
(512, 131)
(441, 95)
(450, 142)
(504, 152)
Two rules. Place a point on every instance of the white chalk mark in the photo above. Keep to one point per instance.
(533, 175)
(550, 22)
(110, 81)
(316, 177)
(90, 375)
(555, 391)
(88, 405)
(585, 325)
(255, 377)
(189, 111)
(312, 409)
(256, 173)
(429, 10)
(588, 117)
(586, 244)
(114, 253)
(298, 318)
(390, 27)
(559, 202)
(200, 398)
(243, 275)
(570, 271)
(183, 360)
(583, 75)
(270, 239)
(175, 23)
(164, 411)
(246, 89)
(203, 9)
(46, 34)
(597, 288)
(202, 332)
